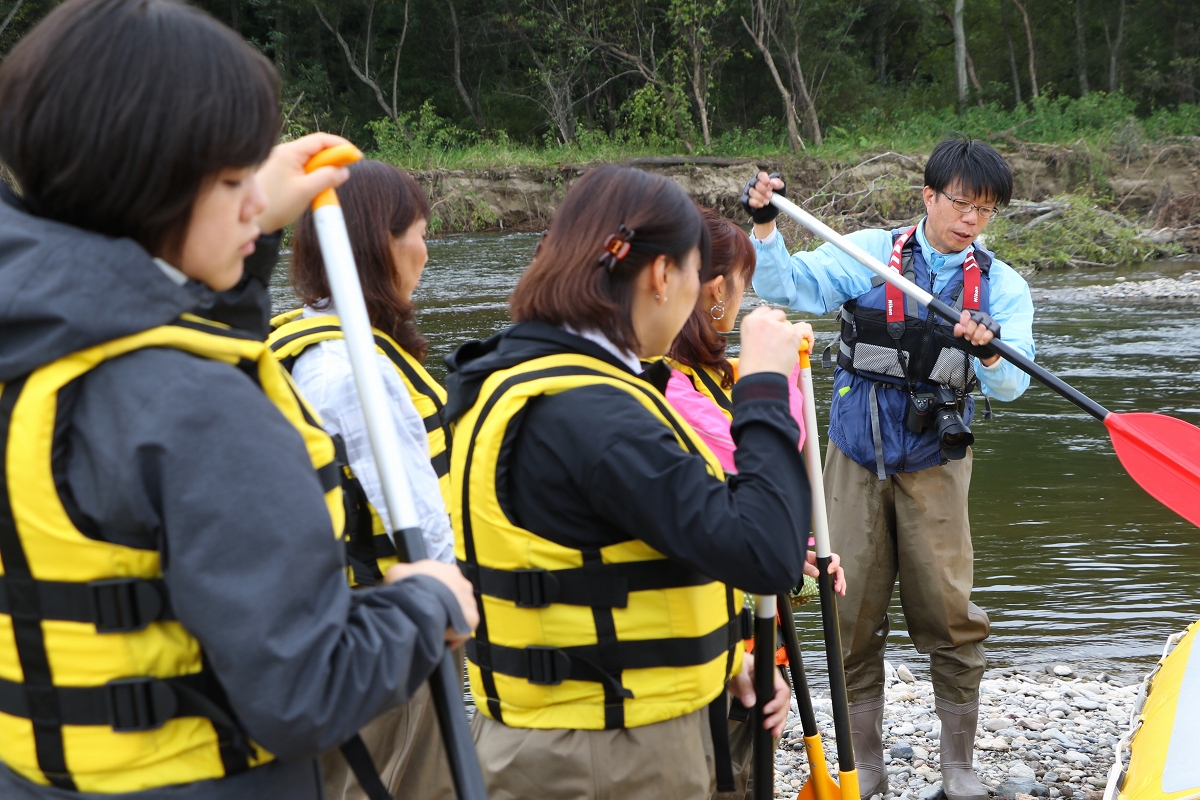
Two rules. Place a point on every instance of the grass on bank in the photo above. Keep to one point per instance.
(425, 140)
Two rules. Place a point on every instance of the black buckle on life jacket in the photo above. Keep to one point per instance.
(140, 704)
(536, 588)
(123, 605)
(548, 666)
(745, 624)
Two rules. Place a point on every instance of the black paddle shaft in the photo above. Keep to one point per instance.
(1024, 364)
(791, 643)
(764, 690)
(837, 674)
(448, 700)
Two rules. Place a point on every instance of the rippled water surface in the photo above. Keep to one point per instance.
(1073, 561)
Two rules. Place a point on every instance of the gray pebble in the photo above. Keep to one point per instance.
(933, 792)
(901, 751)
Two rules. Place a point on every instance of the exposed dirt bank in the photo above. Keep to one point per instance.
(1156, 188)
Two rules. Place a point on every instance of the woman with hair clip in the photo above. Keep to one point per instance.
(386, 215)
(597, 527)
(700, 389)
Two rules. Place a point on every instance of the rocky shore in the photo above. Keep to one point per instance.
(1185, 288)
(1045, 732)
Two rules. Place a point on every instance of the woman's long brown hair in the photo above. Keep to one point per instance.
(379, 202)
(699, 345)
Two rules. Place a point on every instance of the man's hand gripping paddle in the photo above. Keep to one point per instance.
(360, 342)
(1161, 453)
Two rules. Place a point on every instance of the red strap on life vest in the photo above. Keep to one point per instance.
(971, 282)
(893, 296)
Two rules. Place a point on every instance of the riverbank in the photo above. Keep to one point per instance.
(1073, 206)
(1045, 731)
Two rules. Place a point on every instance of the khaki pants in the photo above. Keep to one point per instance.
(913, 526)
(406, 746)
(669, 760)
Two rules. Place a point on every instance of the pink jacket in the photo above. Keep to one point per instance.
(713, 426)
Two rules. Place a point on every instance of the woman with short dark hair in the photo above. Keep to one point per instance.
(386, 213)
(175, 619)
(597, 528)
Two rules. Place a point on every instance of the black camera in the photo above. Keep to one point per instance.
(939, 410)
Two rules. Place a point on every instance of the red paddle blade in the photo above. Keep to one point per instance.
(1162, 454)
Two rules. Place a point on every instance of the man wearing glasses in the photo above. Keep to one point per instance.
(899, 463)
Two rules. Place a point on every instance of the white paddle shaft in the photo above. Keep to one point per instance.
(360, 342)
(851, 249)
(812, 460)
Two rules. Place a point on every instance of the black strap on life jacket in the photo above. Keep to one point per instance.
(354, 750)
(364, 547)
(714, 389)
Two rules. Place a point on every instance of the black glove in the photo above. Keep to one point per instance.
(768, 212)
(984, 351)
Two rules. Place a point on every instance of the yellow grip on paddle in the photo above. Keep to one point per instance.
(805, 363)
(343, 155)
(848, 781)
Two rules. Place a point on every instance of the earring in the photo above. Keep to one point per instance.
(717, 311)
(656, 297)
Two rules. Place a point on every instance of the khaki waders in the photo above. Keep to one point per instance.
(670, 760)
(912, 526)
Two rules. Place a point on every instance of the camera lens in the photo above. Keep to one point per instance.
(953, 434)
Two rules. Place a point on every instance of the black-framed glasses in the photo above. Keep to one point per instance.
(963, 207)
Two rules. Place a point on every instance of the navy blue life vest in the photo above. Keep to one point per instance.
(880, 362)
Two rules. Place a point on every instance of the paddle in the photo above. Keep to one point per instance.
(819, 786)
(847, 772)
(764, 690)
(410, 546)
(1161, 453)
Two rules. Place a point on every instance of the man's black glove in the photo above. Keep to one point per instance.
(985, 351)
(768, 212)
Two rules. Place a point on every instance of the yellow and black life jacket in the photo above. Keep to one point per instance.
(369, 549)
(608, 637)
(101, 688)
(708, 383)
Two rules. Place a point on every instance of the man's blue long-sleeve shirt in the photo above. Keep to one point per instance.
(819, 281)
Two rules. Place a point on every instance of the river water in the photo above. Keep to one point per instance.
(1074, 563)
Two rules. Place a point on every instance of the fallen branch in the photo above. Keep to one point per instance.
(1008, 134)
(1044, 217)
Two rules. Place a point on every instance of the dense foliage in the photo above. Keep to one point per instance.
(419, 79)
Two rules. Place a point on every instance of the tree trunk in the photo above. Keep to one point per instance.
(472, 108)
(1033, 86)
(1012, 56)
(11, 14)
(812, 125)
(883, 16)
(960, 56)
(1114, 50)
(789, 108)
(1080, 49)
(700, 87)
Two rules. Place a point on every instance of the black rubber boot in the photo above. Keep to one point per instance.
(866, 729)
(959, 722)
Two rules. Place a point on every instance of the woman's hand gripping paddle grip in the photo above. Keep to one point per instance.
(847, 772)
(347, 296)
